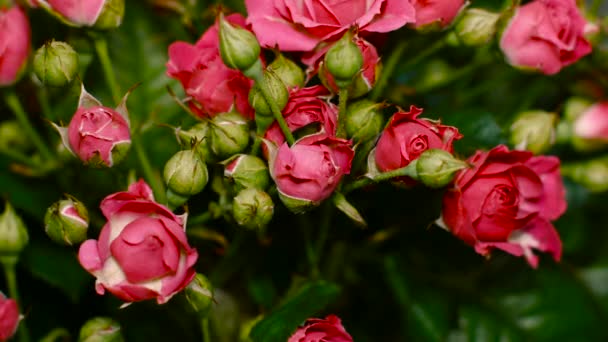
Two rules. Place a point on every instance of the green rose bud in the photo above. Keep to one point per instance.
(229, 134)
(436, 168)
(199, 294)
(592, 174)
(344, 60)
(12, 137)
(288, 71)
(277, 90)
(364, 120)
(197, 138)
(185, 173)
(534, 131)
(248, 171)
(13, 234)
(56, 64)
(476, 27)
(252, 208)
(239, 48)
(66, 221)
(100, 329)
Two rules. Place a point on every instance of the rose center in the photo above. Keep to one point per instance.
(502, 197)
(417, 145)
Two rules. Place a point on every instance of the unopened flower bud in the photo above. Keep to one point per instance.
(344, 60)
(56, 64)
(364, 120)
(66, 221)
(199, 294)
(534, 131)
(277, 90)
(252, 208)
(101, 14)
(247, 171)
(288, 71)
(239, 48)
(13, 234)
(476, 27)
(185, 173)
(12, 137)
(229, 134)
(587, 124)
(592, 174)
(197, 138)
(574, 107)
(100, 329)
(436, 168)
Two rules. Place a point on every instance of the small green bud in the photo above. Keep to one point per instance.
(229, 134)
(13, 233)
(476, 27)
(66, 221)
(12, 137)
(100, 329)
(197, 138)
(277, 90)
(176, 200)
(534, 131)
(246, 328)
(252, 208)
(344, 60)
(248, 172)
(592, 174)
(364, 120)
(288, 71)
(185, 173)
(56, 64)
(436, 168)
(199, 294)
(239, 48)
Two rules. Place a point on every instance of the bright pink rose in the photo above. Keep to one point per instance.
(592, 124)
(507, 200)
(329, 329)
(78, 12)
(9, 317)
(301, 25)
(311, 169)
(306, 106)
(440, 12)
(142, 252)
(546, 35)
(14, 44)
(213, 86)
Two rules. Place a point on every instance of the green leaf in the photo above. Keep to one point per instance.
(480, 130)
(307, 302)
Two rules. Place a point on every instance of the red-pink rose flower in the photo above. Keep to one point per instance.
(9, 317)
(507, 200)
(14, 43)
(306, 106)
(213, 86)
(592, 124)
(328, 329)
(546, 35)
(142, 252)
(406, 137)
(300, 25)
(440, 12)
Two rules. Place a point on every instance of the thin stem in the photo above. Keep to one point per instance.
(15, 105)
(20, 158)
(342, 113)
(409, 170)
(9, 265)
(387, 70)
(101, 47)
(205, 330)
(43, 99)
(324, 225)
(310, 250)
(157, 185)
(276, 112)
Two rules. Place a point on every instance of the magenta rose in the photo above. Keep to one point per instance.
(507, 200)
(14, 44)
(9, 317)
(546, 35)
(592, 124)
(142, 252)
(299, 26)
(306, 106)
(213, 87)
(328, 329)
(439, 12)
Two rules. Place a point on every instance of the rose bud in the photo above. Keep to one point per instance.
(436, 168)
(66, 221)
(98, 135)
(142, 252)
(247, 171)
(13, 233)
(100, 14)
(309, 171)
(9, 317)
(363, 120)
(534, 131)
(56, 64)
(316, 329)
(14, 44)
(229, 134)
(546, 35)
(100, 329)
(239, 48)
(507, 200)
(592, 174)
(252, 208)
(590, 127)
(476, 27)
(185, 173)
(343, 61)
(406, 137)
(433, 15)
(199, 294)
(288, 71)
(278, 92)
(197, 138)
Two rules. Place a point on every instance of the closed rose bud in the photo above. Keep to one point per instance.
(476, 27)
(185, 173)
(14, 44)
(9, 317)
(592, 174)
(434, 15)
(101, 14)
(229, 134)
(100, 329)
(277, 90)
(56, 64)
(239, 48)
(252, 208)
(199, 294)
(437, 168)
(364, 120)
(343, 61)
(288, 71)
(534, 131)
(197, 138)
(328, 329)
(13, 233)
(248, 171)
(66, 222)
(590, 128)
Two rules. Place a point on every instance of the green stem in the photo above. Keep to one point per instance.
(205, 330)
(9, 264)
(200, 219)
(15, 105)
(341, 133)
(324, 225)
(276, 112)
(387, 70)
(310, 250)
(43, 99)
(20, 158)
(101, 47)
(409, 170)
(155, 183)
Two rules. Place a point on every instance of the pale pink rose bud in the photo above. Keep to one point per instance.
(66, 221)
(14, 44)
(9, 317)
(101, 14)
(590, 128)
(436, 14)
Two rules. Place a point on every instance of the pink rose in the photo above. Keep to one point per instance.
(79, 12)
(440, 12)
(329, 329)
(546, 35)
(142, 252)
(507, 200)
(213, 86)
(306, 106)
(301, 25)
(9, 317)
(592, 124)
(14, 44)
